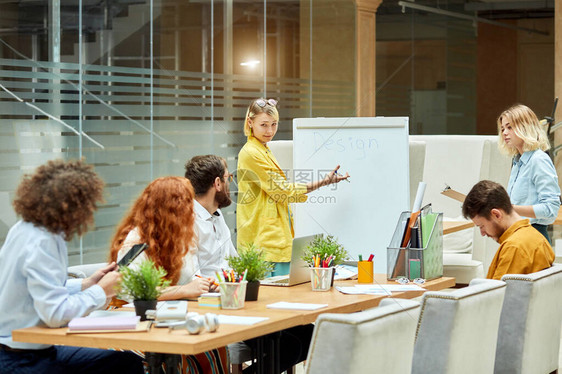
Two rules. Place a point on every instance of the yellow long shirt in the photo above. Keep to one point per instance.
(263, 216)
(523, 250)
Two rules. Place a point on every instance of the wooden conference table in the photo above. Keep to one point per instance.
(161, 340)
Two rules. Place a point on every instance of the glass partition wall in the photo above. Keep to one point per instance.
(138, 87)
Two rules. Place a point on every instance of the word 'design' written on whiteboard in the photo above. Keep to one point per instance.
(362, 214)
(358, 147)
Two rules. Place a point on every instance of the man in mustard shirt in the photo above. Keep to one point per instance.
(523, 249)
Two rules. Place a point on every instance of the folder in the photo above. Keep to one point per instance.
(456, 195)
(104, 323)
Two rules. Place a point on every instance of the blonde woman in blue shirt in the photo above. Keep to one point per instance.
(533, 183)
(263, 216)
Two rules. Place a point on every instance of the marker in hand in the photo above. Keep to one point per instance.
(347, 180)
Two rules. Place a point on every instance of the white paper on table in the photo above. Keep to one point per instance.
(110, 313)
(391, 287)
(238, 320)
(352, 290)
(295, 306)
(345, 272)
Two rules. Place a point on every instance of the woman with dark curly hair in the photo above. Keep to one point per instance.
(56, 202)
(163, 218)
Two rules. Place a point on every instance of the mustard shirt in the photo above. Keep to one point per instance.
(523, 250)
(263, 216)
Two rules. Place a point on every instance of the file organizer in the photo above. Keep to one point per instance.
(414, 263)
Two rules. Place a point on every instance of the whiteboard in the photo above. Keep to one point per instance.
(362, 214)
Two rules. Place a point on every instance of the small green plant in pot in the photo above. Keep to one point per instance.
(324, 247)
(144, 285)
(325, 252)
(251, 258)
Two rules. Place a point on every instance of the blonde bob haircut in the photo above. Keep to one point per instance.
(526, 126)
(254, 109)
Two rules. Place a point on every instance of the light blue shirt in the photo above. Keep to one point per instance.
(34, 287)
(533, 181)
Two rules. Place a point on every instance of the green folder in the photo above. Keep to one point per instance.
(427, 223)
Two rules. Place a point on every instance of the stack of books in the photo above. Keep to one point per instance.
(210, 300)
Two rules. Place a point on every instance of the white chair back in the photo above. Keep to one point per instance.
(457, 331)
(378, 340)
(529, 332)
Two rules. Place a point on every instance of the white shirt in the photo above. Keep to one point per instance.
(188, 270)
(35, 290)
(214, 242)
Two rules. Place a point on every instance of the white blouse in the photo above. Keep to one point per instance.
(190, 262)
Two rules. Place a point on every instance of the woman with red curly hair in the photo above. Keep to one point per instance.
(163, 218)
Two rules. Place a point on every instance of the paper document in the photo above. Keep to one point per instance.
(456, 195)
(110, 313)
(238, 320)
(392, 287)
(296, 306)
(352, 290)
(345, 272)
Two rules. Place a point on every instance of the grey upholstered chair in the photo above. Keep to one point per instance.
(529, 333)
(84, 271)
(380, 340)
(457, 331)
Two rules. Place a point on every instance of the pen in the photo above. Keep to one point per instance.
(371, 257)
(347, 180)
(360, 258)
(214, 283)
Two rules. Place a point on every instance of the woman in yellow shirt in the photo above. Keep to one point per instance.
(263, 216)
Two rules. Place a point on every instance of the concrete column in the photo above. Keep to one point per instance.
(366, 56)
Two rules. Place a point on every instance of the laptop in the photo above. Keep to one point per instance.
(298, 272)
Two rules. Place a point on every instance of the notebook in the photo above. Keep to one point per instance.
(298, 272)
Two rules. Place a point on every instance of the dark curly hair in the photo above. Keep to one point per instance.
(60, 196)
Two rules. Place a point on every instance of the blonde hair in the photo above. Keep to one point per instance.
(526, 126)
(254, 109)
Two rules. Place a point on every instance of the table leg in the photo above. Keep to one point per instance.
(172, 362)
(154, 361)
(268, 354)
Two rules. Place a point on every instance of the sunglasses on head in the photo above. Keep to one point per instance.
(263, 102)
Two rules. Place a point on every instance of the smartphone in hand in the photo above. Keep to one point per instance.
(132, 254)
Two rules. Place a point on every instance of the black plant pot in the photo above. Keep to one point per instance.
(141, 306)
(252, 290)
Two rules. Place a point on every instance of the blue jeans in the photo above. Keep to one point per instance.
(60, 359)
(281, 268)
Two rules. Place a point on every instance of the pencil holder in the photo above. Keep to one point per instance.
(321, 278)
(364, 271)
(232, 294)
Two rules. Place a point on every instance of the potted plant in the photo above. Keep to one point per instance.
(250, 258)
(144, 285)
(325, 252)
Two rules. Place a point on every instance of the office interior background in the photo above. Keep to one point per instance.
(139, 87)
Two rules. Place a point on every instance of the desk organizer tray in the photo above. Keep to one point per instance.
(426, 262)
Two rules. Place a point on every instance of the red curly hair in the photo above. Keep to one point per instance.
(163, 216)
